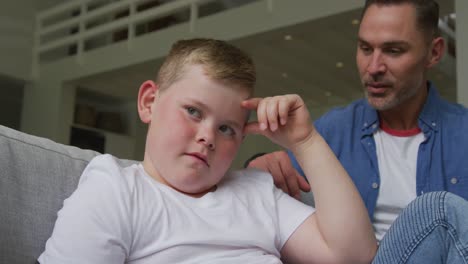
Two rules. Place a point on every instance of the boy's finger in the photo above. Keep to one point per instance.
(272, 114)
(255, 129)
(252, 128)
(252, 103)
(261, 114)
(283, 111)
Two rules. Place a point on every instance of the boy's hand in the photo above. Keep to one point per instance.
(283, 119)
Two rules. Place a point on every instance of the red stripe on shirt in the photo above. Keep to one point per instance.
(400, 133)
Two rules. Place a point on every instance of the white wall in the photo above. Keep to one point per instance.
(16, 34)
(41, 112)
(17, 22)
(11, 99)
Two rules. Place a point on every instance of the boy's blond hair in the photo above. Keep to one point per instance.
(220, 60)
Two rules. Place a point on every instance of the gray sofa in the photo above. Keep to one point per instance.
(36, 175)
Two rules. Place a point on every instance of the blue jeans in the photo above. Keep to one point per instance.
(432, 229)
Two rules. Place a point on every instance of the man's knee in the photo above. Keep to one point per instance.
(429, 201)
(444, 206)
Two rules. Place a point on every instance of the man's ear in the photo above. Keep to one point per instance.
(436, 52)
(146, 96)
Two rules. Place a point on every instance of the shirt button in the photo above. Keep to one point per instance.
(365, 124)
(434, 124)
(374, 125)
(375, 185)
(454, 180)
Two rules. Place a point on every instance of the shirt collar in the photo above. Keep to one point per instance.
(371, 119)
(428, 118)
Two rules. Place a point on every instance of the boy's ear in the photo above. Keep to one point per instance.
(146, 96)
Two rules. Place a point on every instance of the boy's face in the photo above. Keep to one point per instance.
(196, 128)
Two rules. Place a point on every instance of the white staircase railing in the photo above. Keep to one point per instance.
(68, 29)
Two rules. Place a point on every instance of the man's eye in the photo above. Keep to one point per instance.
(227, 130)
(365, 49)
(394, 51)
(193, 112)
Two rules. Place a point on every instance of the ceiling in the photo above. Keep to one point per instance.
(314, 59)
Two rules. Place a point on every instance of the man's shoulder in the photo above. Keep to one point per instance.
(344, 116)
(455, 109)
(438, 107)
(453, 113)
(356, 107)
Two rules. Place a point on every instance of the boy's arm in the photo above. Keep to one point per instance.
(330, 234)
(283, 166)
(340, 231)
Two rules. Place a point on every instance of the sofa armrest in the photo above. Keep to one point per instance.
(36, 175)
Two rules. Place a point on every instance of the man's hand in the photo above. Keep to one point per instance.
(284, 175)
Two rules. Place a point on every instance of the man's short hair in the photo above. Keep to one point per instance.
(427, 13)
(220, 60)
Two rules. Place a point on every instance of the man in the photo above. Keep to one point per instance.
(403, 141)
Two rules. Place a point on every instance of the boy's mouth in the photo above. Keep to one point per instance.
(199, 156)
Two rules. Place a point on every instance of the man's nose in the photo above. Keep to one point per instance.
(376, 64)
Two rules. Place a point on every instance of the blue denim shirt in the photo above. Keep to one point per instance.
(442, 162)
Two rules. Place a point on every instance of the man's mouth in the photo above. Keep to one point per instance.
(376, 88)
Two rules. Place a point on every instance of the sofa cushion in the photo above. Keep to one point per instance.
(36, 175)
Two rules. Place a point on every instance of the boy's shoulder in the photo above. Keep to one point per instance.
(111, 161)
(249, 177)
(106, 168)
(104, 163)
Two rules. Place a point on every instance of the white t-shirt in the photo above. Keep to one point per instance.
(122, 215)
(397, 153)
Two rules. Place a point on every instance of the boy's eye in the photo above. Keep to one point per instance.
(227, 130)
(193, 112)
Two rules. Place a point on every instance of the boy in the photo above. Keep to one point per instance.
(180, 205)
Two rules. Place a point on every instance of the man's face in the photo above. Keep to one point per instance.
(392, 56)
(195, 132)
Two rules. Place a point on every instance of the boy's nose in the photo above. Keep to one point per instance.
(207, 143)
(206, 137)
